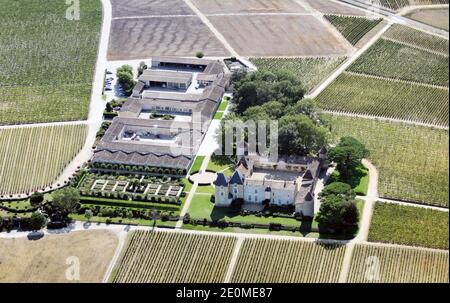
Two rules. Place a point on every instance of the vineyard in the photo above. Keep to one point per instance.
(309, 71)
(57, 58)
(384, 264)
(397, 4)
(32, 158)
(284, 261)
(352, 28)
(399, 61)
(412, 160)
(360, 94)
(413, 226)
(165, 257)
(418, 39)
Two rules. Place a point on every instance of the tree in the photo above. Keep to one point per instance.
(340, 189)
(348, 155)
(109, 107)
(66, 201)
(299, 135)
(264, 86)
(141, 68)
(36, 198)
(338, 215)
(200, 54)
(125, 78)
(37, 221)
(88, 214)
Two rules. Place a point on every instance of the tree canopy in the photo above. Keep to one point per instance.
(338, 214)
(125, 78)
(66, 200)
(340, 189)
(267, 96)
(299, 135)
(37, 221)
(348, 155)
(263, 86)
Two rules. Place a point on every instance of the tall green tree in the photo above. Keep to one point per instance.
(125, 78)
(348, 155)
(299, 135)
(37, 221)
(65, 201)
(338, 216)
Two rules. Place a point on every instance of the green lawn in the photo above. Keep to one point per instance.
(409, 225)
(359, 182)
(223, 105)
(206, 189)
(187, 185)
(221, 164)
(201, 207)
(218, 116)
(197, 164)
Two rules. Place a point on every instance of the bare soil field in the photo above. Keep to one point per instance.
(130, 8)
(147, 37)
(248, 6)
(280, 36)
(434, 17)
(47, 260)
(329, 7)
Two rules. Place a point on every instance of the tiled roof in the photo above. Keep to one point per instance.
(236, 178)
(221, 180)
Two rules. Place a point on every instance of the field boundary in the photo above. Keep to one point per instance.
(396, 80)
(416, 46)
(211, 27)
(384, 119)
(347, 63)
(233, 260)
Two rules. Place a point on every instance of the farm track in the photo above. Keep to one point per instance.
(347, 63)
(380, 118)
(416, 46)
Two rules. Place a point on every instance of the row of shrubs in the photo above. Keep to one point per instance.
(122, 212)
(271, 226)
(135, 168)
(133, 197)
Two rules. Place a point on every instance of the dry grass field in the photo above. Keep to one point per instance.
(147, 37)
(44, 260)
(130, 8)
(435, 17)
(334, 8)
(248, 6)
(280, 36)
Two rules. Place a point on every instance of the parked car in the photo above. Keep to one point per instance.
(108, 72)
(108, 88)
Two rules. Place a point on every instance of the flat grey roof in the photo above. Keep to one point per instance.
(176, 60)
(166, 76)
